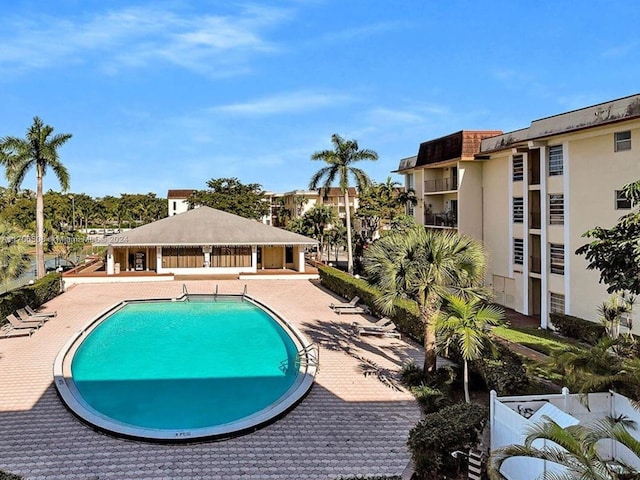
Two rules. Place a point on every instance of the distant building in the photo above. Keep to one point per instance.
(177, 201)
(529, 195)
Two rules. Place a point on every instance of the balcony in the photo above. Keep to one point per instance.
(442, 219)
(535, 264)
(440, 185)
(535, 220)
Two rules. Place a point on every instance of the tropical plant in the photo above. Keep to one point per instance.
(231, 195)
(340, 167)
(615, 251)
(465, 324)
(619, 306)
(424, 266)
(14, 257)
(40, 150)
(575, 448)
(317, 220)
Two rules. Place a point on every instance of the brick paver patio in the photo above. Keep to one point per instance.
(349, 424)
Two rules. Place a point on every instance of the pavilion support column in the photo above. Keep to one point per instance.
(110, 261)
(284, 257)
(254, 258)
(158, 259)
(301, 260)
(126, 259)
(146, 258)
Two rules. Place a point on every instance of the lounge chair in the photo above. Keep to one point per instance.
(357, 310)
(351, 304)
(12, 332)
(380, 323)
(17, 323)
(24, 316)
(33, 313)
(388, 330)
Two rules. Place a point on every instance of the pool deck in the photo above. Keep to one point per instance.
(349, 424)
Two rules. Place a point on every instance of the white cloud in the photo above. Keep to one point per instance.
(135, 37)
(290, 102)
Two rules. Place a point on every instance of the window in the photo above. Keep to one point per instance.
(622, 202)
(518, 251)
(556, 302)
(174, 206)
(556, 254)
(518, 209)
(410, 186)
(518, 168)
(555, 160)
(556, 209)
(622, 141)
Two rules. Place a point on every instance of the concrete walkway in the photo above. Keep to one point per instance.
(349, 424)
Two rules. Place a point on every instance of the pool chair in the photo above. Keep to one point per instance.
(384, 321)
(17, 323)
(352, 304)
(24, 316)
(388, 330)
(12, 332)
(33, 313)
(352, 310)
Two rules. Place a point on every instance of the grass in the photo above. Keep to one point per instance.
(541, 341)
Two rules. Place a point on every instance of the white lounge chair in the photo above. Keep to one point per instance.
(33, 313)
(388, 330)
(17, 323)
(353, 303)
(352, 310)
(380, 323)
(13, 332)
(24, 316)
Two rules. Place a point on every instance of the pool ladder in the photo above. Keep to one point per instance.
(308, 356)
(185, 291)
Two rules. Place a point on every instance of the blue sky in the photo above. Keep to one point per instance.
(163, 95)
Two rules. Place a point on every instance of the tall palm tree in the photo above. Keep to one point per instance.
(40, 150)
(340, 162)
(424, 266)
(578, 452)
(14, 258)
(318, 218)
(465, 323)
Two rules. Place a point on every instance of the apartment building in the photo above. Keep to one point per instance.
(299, 202)
(177, 201)
(535, 191)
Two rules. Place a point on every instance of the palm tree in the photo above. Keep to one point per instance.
(318, 218)
(340, 162)
(14, 259)
(424, 266)
(578, 454)
(39, 149)
(465, 323)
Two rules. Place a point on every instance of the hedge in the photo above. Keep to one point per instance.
(574, 327)
(9, 476)
(405, 314)
(431, 441)
(34, 295)
(502, 372)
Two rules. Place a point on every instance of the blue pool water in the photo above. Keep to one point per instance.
(184, 365)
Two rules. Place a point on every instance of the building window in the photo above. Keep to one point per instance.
(518, 168)
(518, 209)
(556, 302)
(410, 186)
(622, 202)
(174, 206)
(518, 251)
(556, 209)
(555, 160)
(556, 254)
(622, 141)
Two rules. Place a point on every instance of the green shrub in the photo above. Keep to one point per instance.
(574, 327)
(503, 373)
(9, 476)
(431, 441)
(411, 374)
(34, 295)
(405, 314)
(369, 477)
(430, 399)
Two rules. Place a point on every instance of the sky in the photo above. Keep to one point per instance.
(169, 94)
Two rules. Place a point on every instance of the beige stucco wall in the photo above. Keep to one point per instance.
(596, 171)
(470, 213)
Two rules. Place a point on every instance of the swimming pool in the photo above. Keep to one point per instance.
(183, 370)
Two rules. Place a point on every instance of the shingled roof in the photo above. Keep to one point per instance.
(205, 226)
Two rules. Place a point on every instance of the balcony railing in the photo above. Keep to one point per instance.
(535, 220)
(443, 219)
(535, 264)
(440, 185)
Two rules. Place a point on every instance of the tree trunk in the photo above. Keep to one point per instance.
(40, 271)
(428, 314)
(467, 398)
(348, 217)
